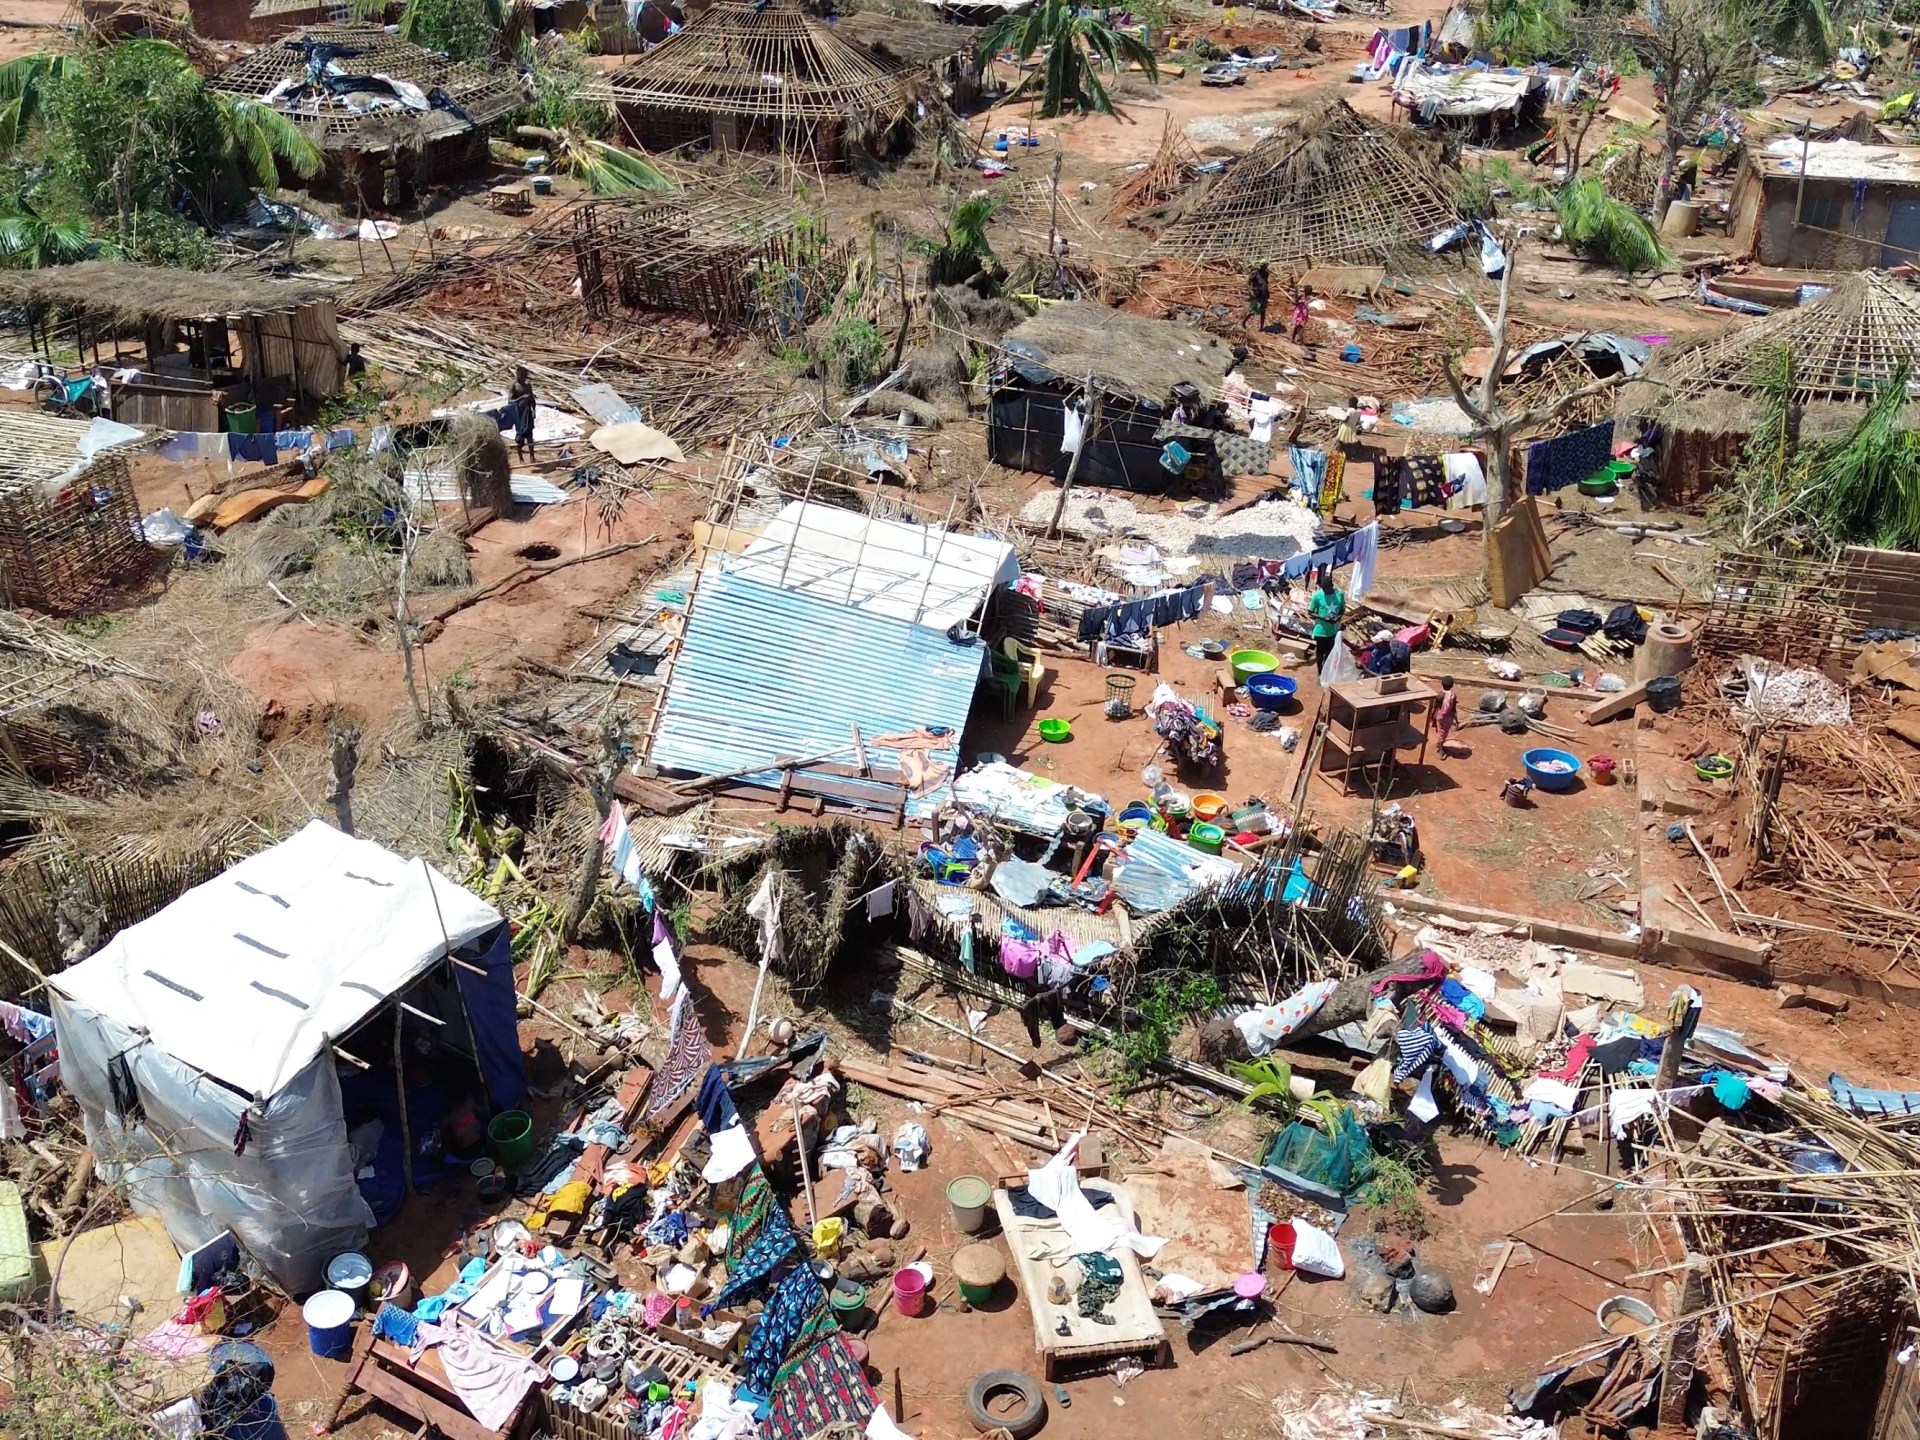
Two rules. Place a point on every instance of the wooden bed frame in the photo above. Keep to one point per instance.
(1041, 1251)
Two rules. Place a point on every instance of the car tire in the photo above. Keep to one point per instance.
(1024, 1422)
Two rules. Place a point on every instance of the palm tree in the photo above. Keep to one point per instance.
(607, 169)
(258, 139)
(23, 86)
(1077, 46)
(255, 138)
(30, 240)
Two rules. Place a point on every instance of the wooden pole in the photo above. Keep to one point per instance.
(1092, 401)
(806, 1167)
(400, 1088)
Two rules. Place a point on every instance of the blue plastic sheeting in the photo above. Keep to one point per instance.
(492, 1006)
(765, 674)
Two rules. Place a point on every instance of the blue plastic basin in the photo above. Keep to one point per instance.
(1550, 780)
(1270, 691)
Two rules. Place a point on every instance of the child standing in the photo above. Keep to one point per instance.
(1446, 712)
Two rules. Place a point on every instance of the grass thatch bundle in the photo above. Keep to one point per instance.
(481, 461)
(440, 560)
(137, 293)
(821, 874)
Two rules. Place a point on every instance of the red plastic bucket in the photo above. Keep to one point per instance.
(1602, 768)
(1280, 1242)
(909, 1291)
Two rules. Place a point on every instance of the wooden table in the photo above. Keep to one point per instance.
(379, 1368)
(515, 198)
(1366, 728)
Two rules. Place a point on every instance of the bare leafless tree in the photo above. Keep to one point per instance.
(1701, 53)
(343, 751)
(409, 542)
(1494, 423)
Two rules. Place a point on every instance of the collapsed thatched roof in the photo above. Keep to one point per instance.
(1845, 348)
(137, 293)
(773, 60)
(1333, 186)
(894, 39)
(1128, 354)
(337, 83)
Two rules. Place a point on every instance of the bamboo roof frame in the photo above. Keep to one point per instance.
(1845, 346)
(774, 61)
(482, 94)
(37, 449)
(892, 38)
(1334, 186)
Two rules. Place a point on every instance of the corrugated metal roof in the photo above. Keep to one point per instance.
(925, 573)
(765, 673)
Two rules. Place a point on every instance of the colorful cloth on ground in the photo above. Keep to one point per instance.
(1576, 1060)
(1567, 459)
(748, 1269)
(826, 1385)
(686, 1062)
(755, 1211)
(795, 1307)
(1432, 968)
(1265, 1026)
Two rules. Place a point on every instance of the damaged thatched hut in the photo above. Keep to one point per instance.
(730, 258)
(389, 117)
(69, 522)
(770, 76)
(1134, 364)
(185, 347)
(1705, 399)
(1333, 187)
(941, 51)
(268, 20)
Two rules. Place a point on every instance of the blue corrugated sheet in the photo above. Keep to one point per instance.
(765, 673)
(1158, 873)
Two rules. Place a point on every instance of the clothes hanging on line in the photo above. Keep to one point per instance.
(1568, 459)
(1366, 557)
(1309, 466)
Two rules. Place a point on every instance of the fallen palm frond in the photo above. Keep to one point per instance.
(1593, 221)
(1864, 487)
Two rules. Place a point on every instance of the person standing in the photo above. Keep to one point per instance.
(1349, 435)
(523, 411)
(1327, 606)
(1257, 287)
(1447, 713)
(1297, 321)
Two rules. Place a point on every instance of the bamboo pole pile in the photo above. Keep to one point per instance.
(1027, 1111)
(1842, 833)
(1806, 1266)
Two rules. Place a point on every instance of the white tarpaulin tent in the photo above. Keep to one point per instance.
(224, 1008)
(248, 976)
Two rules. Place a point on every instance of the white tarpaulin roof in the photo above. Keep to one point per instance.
(926, 574)
(250, 975)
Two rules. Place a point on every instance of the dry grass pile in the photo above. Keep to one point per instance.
(481, 461)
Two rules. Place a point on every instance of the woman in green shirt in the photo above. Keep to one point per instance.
(1327, 606)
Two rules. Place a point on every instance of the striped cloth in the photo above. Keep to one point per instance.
(1415, 1046)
